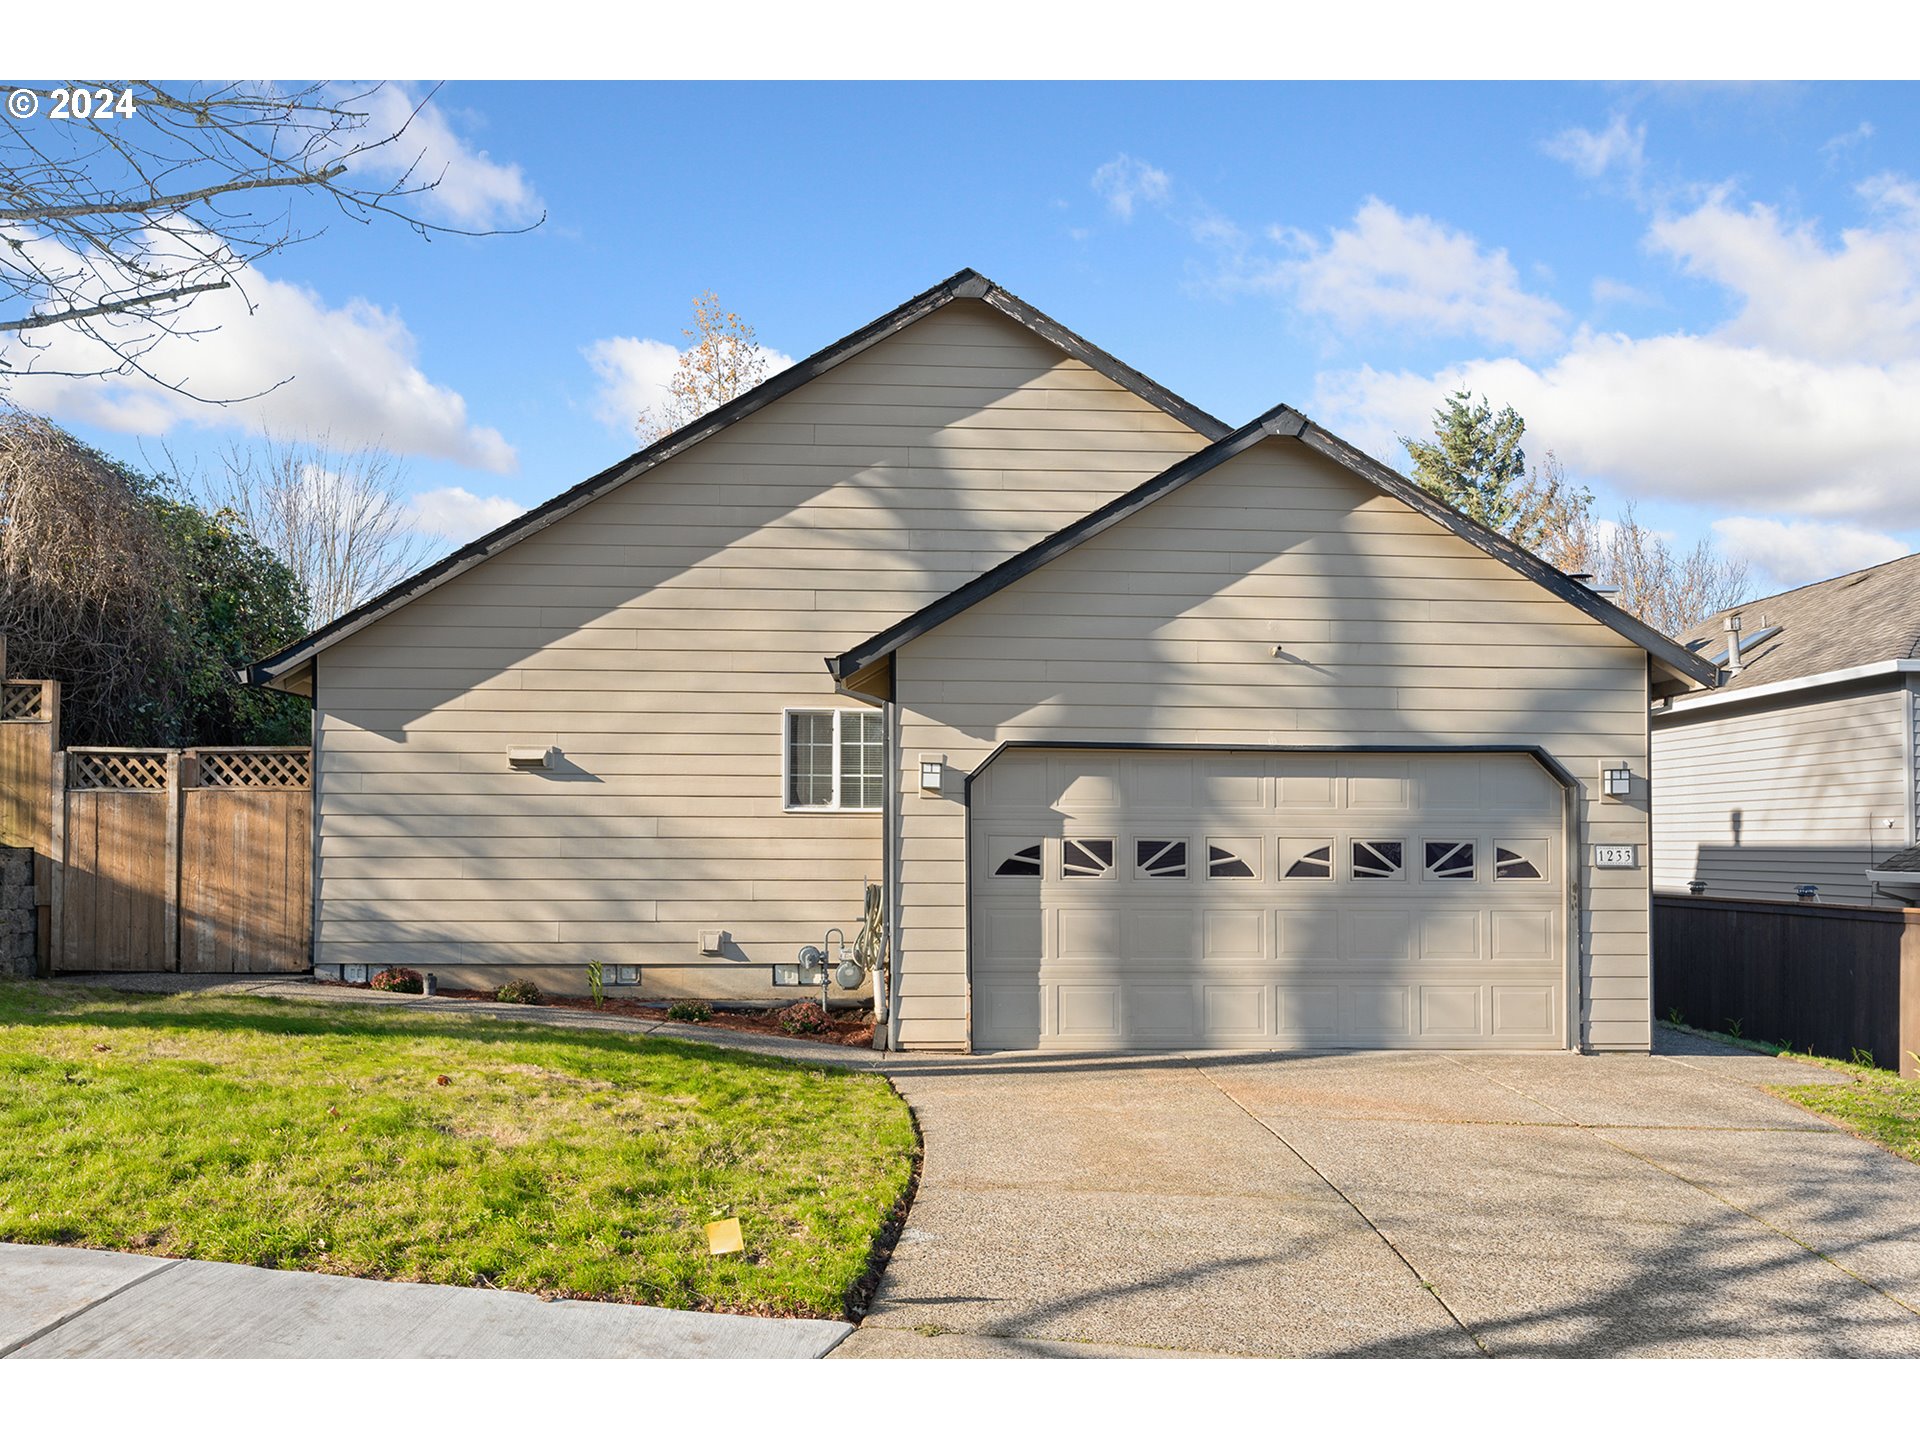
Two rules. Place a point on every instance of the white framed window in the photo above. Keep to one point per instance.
(834, 760)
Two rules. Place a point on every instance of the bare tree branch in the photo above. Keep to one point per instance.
(113, 223)
(36, 322)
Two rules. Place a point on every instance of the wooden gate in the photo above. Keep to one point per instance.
(246, 860)
(113, 893)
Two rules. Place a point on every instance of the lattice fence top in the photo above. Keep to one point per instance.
(255, 769)
(22, 700)
(116, 769)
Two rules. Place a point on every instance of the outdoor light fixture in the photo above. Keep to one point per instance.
(1696, 887)
(933, 775)
(1616, 780)
(1807, 892)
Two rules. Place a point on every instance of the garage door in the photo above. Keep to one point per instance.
(1230, 899)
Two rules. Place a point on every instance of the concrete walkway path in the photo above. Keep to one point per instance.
(57, 1303)
(1394, 1205)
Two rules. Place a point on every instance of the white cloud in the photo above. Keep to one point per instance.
(459, 514)
(1608, 291)
(1408, 272)
(287, 361)
(1799, 552)
(1620, 148)
(1845, 141)
(1683, 417)
(471, 189)
(1800, 296)
(1125, 182)
(1802, 402)
(634, 375)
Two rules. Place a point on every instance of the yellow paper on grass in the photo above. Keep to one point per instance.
(723, 1237)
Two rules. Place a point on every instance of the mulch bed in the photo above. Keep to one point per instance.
(843, 1027)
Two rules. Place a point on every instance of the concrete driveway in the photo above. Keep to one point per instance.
(1394, 1205)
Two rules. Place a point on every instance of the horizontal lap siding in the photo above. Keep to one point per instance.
(655, 637)
(1161, 631)
(1818, 786)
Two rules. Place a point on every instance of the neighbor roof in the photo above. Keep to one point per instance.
(1904, 862)
(1281, 422)
(1839, 624)
(285, 666)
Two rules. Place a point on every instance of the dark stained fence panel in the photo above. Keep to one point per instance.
(1827, 978)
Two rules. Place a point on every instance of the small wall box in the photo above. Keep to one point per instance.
(813, 975)
(1616, 857)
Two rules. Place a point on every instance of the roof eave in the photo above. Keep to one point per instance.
(1287, 423)
(965, 285)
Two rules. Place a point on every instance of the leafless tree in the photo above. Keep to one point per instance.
(112, 222)
(725, 360)
(87, 588)
(340, 519)
(1671, 590)
(1548, 510)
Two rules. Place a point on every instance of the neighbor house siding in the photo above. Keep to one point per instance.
(655, 637)
(1161, 630)
(1764, 798)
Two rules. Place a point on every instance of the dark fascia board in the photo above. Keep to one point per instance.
(1282, 422)
(966, 285)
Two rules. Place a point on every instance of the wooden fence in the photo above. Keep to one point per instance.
(158, 860)
(1828, 978)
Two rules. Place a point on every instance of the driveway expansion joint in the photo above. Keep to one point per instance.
(1327, 1180)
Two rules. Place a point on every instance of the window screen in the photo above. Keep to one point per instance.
(859, 760)
(810, 757)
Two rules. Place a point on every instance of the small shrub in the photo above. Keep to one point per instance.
(596, 986)
(690, 1012)
(1733, 1027)
(518, 992)
(398, 981)
(1864, 1057)
(803, 1018)
(1674, 1017)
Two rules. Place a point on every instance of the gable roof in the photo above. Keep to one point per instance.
(283, 668)
(1285, 423)
(1862, 618)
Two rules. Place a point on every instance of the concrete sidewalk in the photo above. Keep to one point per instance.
(57, 1303)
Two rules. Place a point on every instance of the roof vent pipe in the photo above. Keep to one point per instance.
(1732, 626)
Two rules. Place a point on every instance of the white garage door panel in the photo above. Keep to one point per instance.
(1171, 899)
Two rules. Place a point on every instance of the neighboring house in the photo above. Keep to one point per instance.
(1799, 769)
(1158, 734)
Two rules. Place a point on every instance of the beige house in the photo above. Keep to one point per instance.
(1799, 770)
(1156, 734)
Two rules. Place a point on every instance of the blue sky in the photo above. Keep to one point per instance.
(1705, 299)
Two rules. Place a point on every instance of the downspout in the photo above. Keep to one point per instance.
(886, 990)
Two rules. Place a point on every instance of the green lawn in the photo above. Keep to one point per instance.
(321, 1137)
(1878, 1105)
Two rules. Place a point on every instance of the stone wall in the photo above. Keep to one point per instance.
(18, 922)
